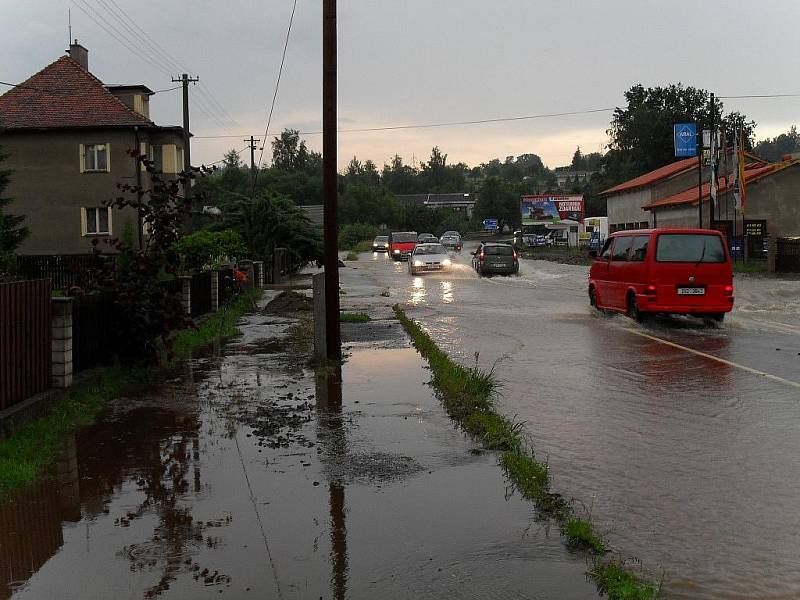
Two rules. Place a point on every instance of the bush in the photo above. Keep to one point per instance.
(350, 235)
(203, 250)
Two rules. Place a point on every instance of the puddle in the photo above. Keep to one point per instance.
(248, 477)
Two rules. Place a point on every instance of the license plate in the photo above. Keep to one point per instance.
(691, 291)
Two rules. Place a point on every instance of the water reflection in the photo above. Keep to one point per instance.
(447, 292)
(331, 431)
(418, 291)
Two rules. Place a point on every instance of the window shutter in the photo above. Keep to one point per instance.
(110, 224)
(108, 158)
(142, 154)
(82, 158)
(83, 220)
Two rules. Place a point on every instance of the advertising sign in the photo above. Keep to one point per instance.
(547, 207)
(685, 135)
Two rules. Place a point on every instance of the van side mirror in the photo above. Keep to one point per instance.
(592, 253)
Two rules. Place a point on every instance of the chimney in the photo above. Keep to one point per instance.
(79, 54)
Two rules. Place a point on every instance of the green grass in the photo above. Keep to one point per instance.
(29, 452)
(363, 246)
(468, 396)
(753, 266)
(617, 582)
(220, 324)
(352, 255)
(347, 317)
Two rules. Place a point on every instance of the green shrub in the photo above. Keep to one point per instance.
(350, 235)
(206, 249)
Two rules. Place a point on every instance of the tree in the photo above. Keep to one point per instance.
(776, 148)
(641, 132)
(577, 161)
(12, 231)
(498, 200)
(289, 151)
(399, 178)
(369, 204)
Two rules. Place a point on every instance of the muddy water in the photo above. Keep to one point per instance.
(242, 476)
(689, 463)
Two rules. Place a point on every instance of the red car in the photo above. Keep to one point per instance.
(676, 271)
(402, 244)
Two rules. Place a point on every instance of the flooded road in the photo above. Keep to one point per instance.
(683, 439)
(242, 475)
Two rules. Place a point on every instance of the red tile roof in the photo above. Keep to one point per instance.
(64, 94)
(690, 196)
(653, 176)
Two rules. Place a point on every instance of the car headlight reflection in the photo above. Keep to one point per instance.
(418, 263)
(396, 251)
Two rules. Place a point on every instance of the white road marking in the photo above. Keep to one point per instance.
(717, 359)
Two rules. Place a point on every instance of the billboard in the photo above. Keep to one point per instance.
(685, 139)
(553, 208)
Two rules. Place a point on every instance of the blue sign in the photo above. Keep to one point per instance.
(489, 224)
(685, 139)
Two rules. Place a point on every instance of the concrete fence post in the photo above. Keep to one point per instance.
(214, 291)
(61, 345)
(186, 294)
(258, 268)
(320, 340)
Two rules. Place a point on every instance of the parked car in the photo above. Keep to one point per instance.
(451, 242)
(495, 257)
(401, 243)
(532, 240)
(429, 257)
(675, 271)
(380, 244)
(427, 238)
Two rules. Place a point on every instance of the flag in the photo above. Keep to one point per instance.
(713, 171)
(737, 192)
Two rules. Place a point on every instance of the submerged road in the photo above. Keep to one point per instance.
(682, 439)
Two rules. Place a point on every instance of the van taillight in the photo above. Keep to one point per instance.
(729, 290)
(515, 255)
(650, 290)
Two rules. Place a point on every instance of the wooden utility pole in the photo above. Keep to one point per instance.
(329, 180)
(185, 80)
(252, 145)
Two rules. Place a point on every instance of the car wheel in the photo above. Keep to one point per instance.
(633, 309)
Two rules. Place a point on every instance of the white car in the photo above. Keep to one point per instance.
(428, 257)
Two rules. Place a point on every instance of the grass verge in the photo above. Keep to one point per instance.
(28, 454)
(467, 394)
(352, 255)
(347, 317)
(218, 325)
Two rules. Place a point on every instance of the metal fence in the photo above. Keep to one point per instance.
(65, 270)
(201, 293)
(93, 331)
(787, 256)
(25, 333)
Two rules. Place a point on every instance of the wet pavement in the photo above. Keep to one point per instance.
(684, 439)
(243, 475)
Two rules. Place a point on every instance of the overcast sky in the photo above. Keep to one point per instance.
(425, 61)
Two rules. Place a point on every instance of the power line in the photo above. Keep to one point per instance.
(275, 94)
(761, 96)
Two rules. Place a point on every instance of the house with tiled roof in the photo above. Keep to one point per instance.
(67, 138)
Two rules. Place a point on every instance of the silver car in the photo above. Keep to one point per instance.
(427, 258)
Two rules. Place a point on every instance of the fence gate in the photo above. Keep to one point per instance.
(25, 330)
(787, 257)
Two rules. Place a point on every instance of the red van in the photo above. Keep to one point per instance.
(677, 271)
(402, 244)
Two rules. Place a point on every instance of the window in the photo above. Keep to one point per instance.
(606, 253)
(95, 158)
(157, 156)
(689, 247)
(178, 160)
(639, 248)
(96, 221)
(621, 247)
(503, 250)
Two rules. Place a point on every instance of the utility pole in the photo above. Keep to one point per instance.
(333, 340)
(712, 167)
(252, 145)
(185, 80)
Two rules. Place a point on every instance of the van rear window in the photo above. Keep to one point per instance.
(689, 247)
(399, 238)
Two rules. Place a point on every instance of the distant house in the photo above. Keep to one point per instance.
(566, 177)
(460, 202)
(315, 214)
(67, 137)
